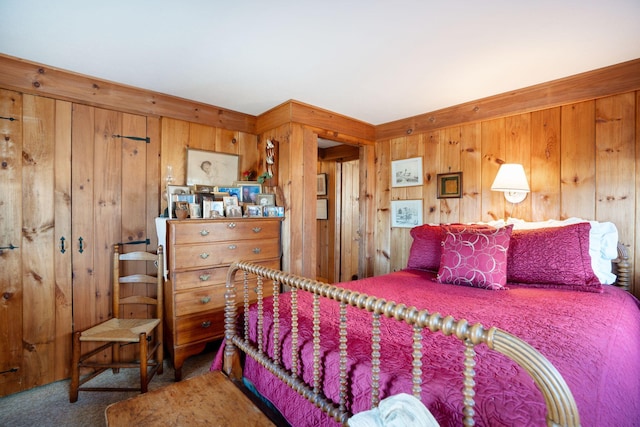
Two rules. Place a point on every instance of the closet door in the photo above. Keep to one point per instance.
(35, 275)
(115, 175)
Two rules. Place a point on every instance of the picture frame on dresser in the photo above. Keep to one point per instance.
(177, 193)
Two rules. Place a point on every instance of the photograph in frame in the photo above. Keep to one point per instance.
(249, 191)
(449, 185)
(322, 209)
(177, 193)
(406, 172)
(265, 199)
(231, 191)
(406, 213)
(321, 184)
(211, 168)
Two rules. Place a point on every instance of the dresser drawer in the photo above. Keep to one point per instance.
(195, 231)
(207, 255)
(183, 280)
(204, 326)
(212, 298)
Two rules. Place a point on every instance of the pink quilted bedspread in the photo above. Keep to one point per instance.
(592, 339)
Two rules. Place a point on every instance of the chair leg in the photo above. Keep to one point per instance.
(160, 356)
(75, 368)
(115, 356)
(144, 347)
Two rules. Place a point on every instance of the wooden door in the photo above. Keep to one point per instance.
(350, 220)
(35, 270)
(115, 176)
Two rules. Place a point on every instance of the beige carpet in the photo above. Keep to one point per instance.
(49, 405)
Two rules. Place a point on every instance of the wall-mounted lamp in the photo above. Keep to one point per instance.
(511, 180)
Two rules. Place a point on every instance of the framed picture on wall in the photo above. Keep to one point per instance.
(321, 185)
(406, 213)
(211, 168)
(322, 209)
(406, 172)
(449, 185)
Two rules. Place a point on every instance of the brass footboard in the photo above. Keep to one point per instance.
(561, 407)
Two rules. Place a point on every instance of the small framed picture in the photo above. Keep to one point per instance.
(280, 210)
(449, 185)
(199, 188)
(322, 211)
(230, 201)
(253, 210)
(176, 193)
(231, 191)
(233, 211)
(264, 199)
(321, 185)
(217, 209)
(406, 213)
(249, 191)
(211, 168)
(270, 211)
(195, 210)
(406, 172)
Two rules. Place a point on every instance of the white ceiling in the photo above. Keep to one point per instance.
(373, 60)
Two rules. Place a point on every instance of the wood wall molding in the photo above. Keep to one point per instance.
(30, 77)
(325, 123)
(612, 80)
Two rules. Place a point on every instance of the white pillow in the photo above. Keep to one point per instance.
(603, 242)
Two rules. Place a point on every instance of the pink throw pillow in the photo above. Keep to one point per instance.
(475, 257)
(426, 248)
(553, 257)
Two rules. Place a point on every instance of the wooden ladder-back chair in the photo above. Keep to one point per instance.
(123, 330)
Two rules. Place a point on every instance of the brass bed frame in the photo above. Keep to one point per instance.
(561, 406)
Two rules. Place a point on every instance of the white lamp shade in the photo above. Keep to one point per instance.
(512, 180)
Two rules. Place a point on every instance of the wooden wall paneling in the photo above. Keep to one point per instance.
(449, 161)
(308, 194)
(518, 150)
(334, 237)
(82, 212)
(202, 137)
(431, 146)
(382, 201)
(227, 142)
(107, 224)
(398, 237)
(577, 160)
(38, 276)
(12, 368)
(368, 190)
(615, 164)
(252, 154)
(62, 229)
(326, 255)
(154, 187)
(470, 165)
(175, 139)
(545, 164)
(493, 155)
(350, 234)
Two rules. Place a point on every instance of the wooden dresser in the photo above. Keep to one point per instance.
(199, 253)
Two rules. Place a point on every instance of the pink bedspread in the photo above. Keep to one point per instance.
(592, 339)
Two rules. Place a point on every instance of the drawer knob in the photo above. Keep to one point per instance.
(206, 324)
(205, 300)
(257, 229)
(204, 255)
(232, 247)
(231, 225)
(257, 250)
(204, 232)
(204, 277)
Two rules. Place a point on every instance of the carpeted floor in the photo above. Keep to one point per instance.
(49, 405)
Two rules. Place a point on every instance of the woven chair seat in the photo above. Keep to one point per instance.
(121, 330)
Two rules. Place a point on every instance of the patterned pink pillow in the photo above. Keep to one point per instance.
(553, 257)
(426, 249)
(475, 257)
